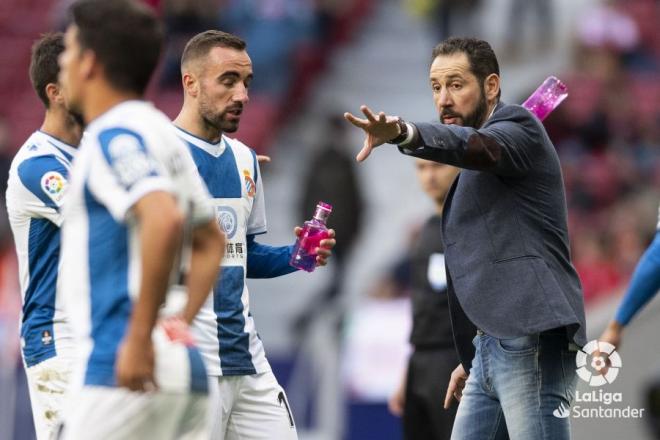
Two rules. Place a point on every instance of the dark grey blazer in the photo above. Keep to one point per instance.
(504, 223)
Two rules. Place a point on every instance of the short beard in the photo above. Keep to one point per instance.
(217, 121)
(76, 119)
(478, 117)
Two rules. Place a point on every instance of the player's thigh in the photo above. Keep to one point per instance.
(261, 411)
(222, 391)
(195, 423)
(117, 413)
(48, 382)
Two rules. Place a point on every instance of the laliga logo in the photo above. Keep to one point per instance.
(592, 363)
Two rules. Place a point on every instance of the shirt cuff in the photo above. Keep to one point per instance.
(410, 134)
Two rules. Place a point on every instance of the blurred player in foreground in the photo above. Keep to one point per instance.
(138, 224)
(248, 402)
(35, 191)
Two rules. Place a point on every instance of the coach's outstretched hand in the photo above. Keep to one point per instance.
(379, 129)
(325, 251)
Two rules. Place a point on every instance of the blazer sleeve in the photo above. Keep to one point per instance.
(507, 145)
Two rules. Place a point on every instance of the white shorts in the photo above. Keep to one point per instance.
(251, 407)
(177, 410)
(48, 381)
(117, 413)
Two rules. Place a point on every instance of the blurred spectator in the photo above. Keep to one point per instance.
(331, 177)
(419, 396)
(608, 137)
(272, 29)
(6, 155)
(447, 18)
(542, 24)
(183, 20)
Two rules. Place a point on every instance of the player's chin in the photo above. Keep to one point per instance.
(230, 126)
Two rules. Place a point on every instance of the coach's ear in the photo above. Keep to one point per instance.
(190, 84)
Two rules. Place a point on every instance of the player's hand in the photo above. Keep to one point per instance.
(325, 250)
(177, 330)
(134, 367)
(379, 129)
(262, 158)
(612, 334)
(456, 385)
(397, 401)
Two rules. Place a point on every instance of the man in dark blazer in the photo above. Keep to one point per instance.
(506, 249)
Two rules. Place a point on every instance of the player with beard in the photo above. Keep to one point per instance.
(247, 401)
(36, 189)
(509, 269)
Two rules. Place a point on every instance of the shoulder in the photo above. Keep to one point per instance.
(43, 175)
(238, 146)
(241, 150)
(515, 120)
(34, 167)
(514, 112)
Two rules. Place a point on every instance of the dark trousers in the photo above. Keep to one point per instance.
(424, 417)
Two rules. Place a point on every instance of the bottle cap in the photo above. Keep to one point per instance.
(323, 211)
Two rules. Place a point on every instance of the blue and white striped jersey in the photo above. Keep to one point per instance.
(37, 183)
(128, 152)
(224, 328)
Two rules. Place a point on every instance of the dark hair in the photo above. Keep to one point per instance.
(125, 36)
(202, 43)
(481, 57)
(43, 63)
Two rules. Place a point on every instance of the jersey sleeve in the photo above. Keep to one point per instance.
(123, 170)
(644, 284)
(256, 223)
(46, 178)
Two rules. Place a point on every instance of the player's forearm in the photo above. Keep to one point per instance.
(644, 284)
(161, 233)
(265, 261)
(208, 250)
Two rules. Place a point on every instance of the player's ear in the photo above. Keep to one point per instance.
(190, 84)
(53, 93)
(88, 64)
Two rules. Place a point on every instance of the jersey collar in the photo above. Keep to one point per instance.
(215, 150)
(67, 149)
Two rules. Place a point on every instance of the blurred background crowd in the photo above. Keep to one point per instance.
(337, 338)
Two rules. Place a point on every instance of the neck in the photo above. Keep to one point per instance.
(61, 125)
(491, 109)
(439, 205)
(103, 99)
(190, 120)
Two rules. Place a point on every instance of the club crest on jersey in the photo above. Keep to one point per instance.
(227, 219)
(250, 187)
(54, 184)
(46, 337)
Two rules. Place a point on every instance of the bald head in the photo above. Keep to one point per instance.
(200, 45)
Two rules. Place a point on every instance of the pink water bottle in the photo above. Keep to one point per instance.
(547, 97)
(314, 230)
